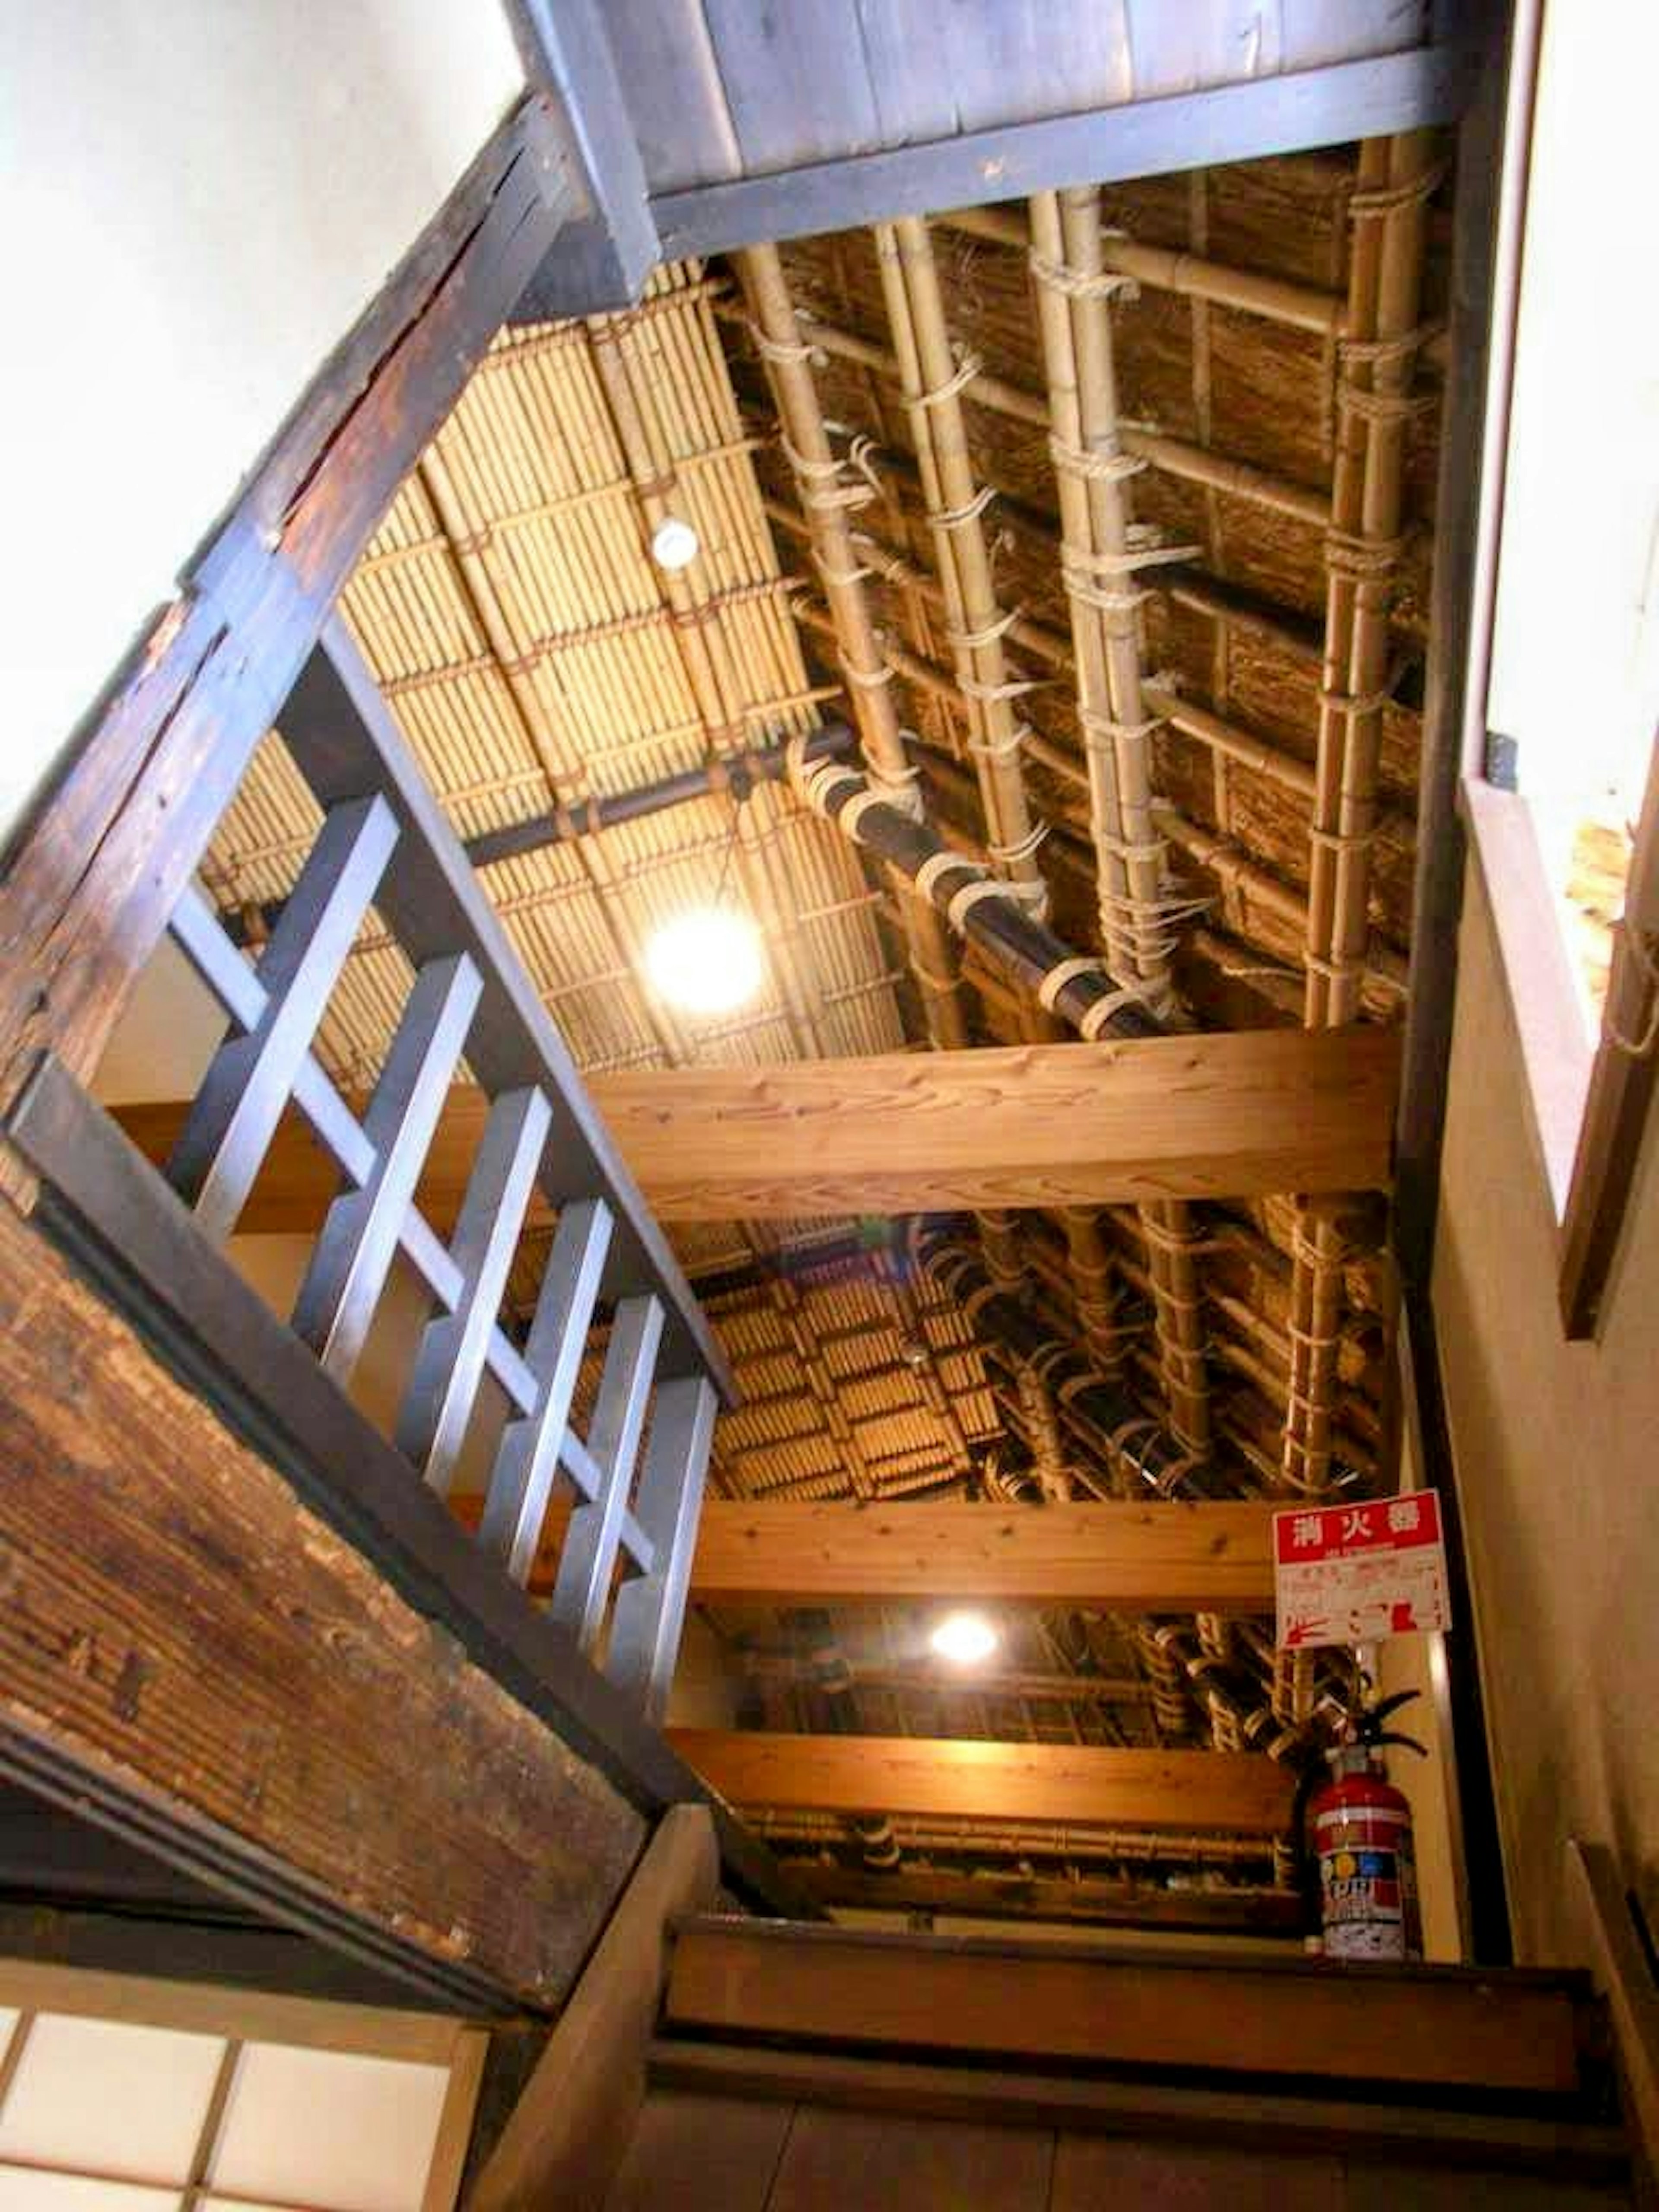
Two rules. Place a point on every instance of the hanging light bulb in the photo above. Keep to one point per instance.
(706, 960)
(964, 1638)
(674, 544)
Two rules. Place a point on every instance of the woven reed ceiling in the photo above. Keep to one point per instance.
(535, 656)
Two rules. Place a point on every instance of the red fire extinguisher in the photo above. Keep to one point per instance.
(1362, 1843)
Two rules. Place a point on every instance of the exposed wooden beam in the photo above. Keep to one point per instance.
(1180, 1558)
(1141, 138)
(1209, 1558)
(1226, 1114)
(1243, 1792)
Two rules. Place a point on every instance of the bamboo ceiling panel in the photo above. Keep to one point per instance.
(535, 656)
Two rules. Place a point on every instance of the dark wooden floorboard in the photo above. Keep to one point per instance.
(695, 2153)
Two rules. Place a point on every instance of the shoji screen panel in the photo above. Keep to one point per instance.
(118, 2095)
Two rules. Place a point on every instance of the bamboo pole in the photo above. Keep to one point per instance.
(1191, 719)
(932, 381)
(1101, 554)
(827, 501)
(1379, 356)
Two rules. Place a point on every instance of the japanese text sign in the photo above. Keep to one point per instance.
(1355, 1574)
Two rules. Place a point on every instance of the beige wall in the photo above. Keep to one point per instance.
(1556, 1447)
(201, 195)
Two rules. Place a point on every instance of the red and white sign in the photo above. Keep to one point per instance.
(1355, 1574)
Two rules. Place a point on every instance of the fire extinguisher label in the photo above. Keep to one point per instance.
(1370, 1903)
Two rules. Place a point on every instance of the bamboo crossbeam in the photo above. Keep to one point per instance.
(1176, 457)
(1299, 307)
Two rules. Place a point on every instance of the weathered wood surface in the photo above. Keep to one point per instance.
(567, 2132)
(719, 90)
(1451, 2027)
(1209, 1558)
(1242, 1792)
(181, 1638)
(1546, 2152)
(1227, 1115)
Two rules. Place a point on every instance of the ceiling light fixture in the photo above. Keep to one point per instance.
(706, 960)
(964, 1638)
(674, 544)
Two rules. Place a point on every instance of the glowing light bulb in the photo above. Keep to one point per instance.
(705, 961)
(964, 1638)
(674, 544)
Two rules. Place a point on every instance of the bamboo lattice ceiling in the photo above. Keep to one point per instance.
(535, 656)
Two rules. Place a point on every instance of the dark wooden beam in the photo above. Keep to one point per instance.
(1450, 2028)
(1096, 1899)
(1222, 1115)
(1141, 138)
(1242, 1792)
(610, 247)
(225, 1344)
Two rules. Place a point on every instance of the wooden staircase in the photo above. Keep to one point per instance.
(797, 2067)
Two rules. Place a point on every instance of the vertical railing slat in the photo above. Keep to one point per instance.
(613, 1438)
(528, 1457)
(252, 1076)
(650, 1609)
(360, 1237)
(438, 1404)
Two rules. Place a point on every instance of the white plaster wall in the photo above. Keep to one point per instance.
(1556, 1459)
(200, 197)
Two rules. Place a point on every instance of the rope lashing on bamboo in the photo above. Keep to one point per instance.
(1023, 848)
(1376, 353)
(1075, 284)
(1643, 947)
(1093, 467)
(970, 367)
(813, 474)
(961, 888)
(780, 349)
(1366, 559)
(998, 749)
(1384, 406)
(972, 641)
(1079, 570)
(1016, 687)
(958, 517)
(844, 577)
(1372, 202)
